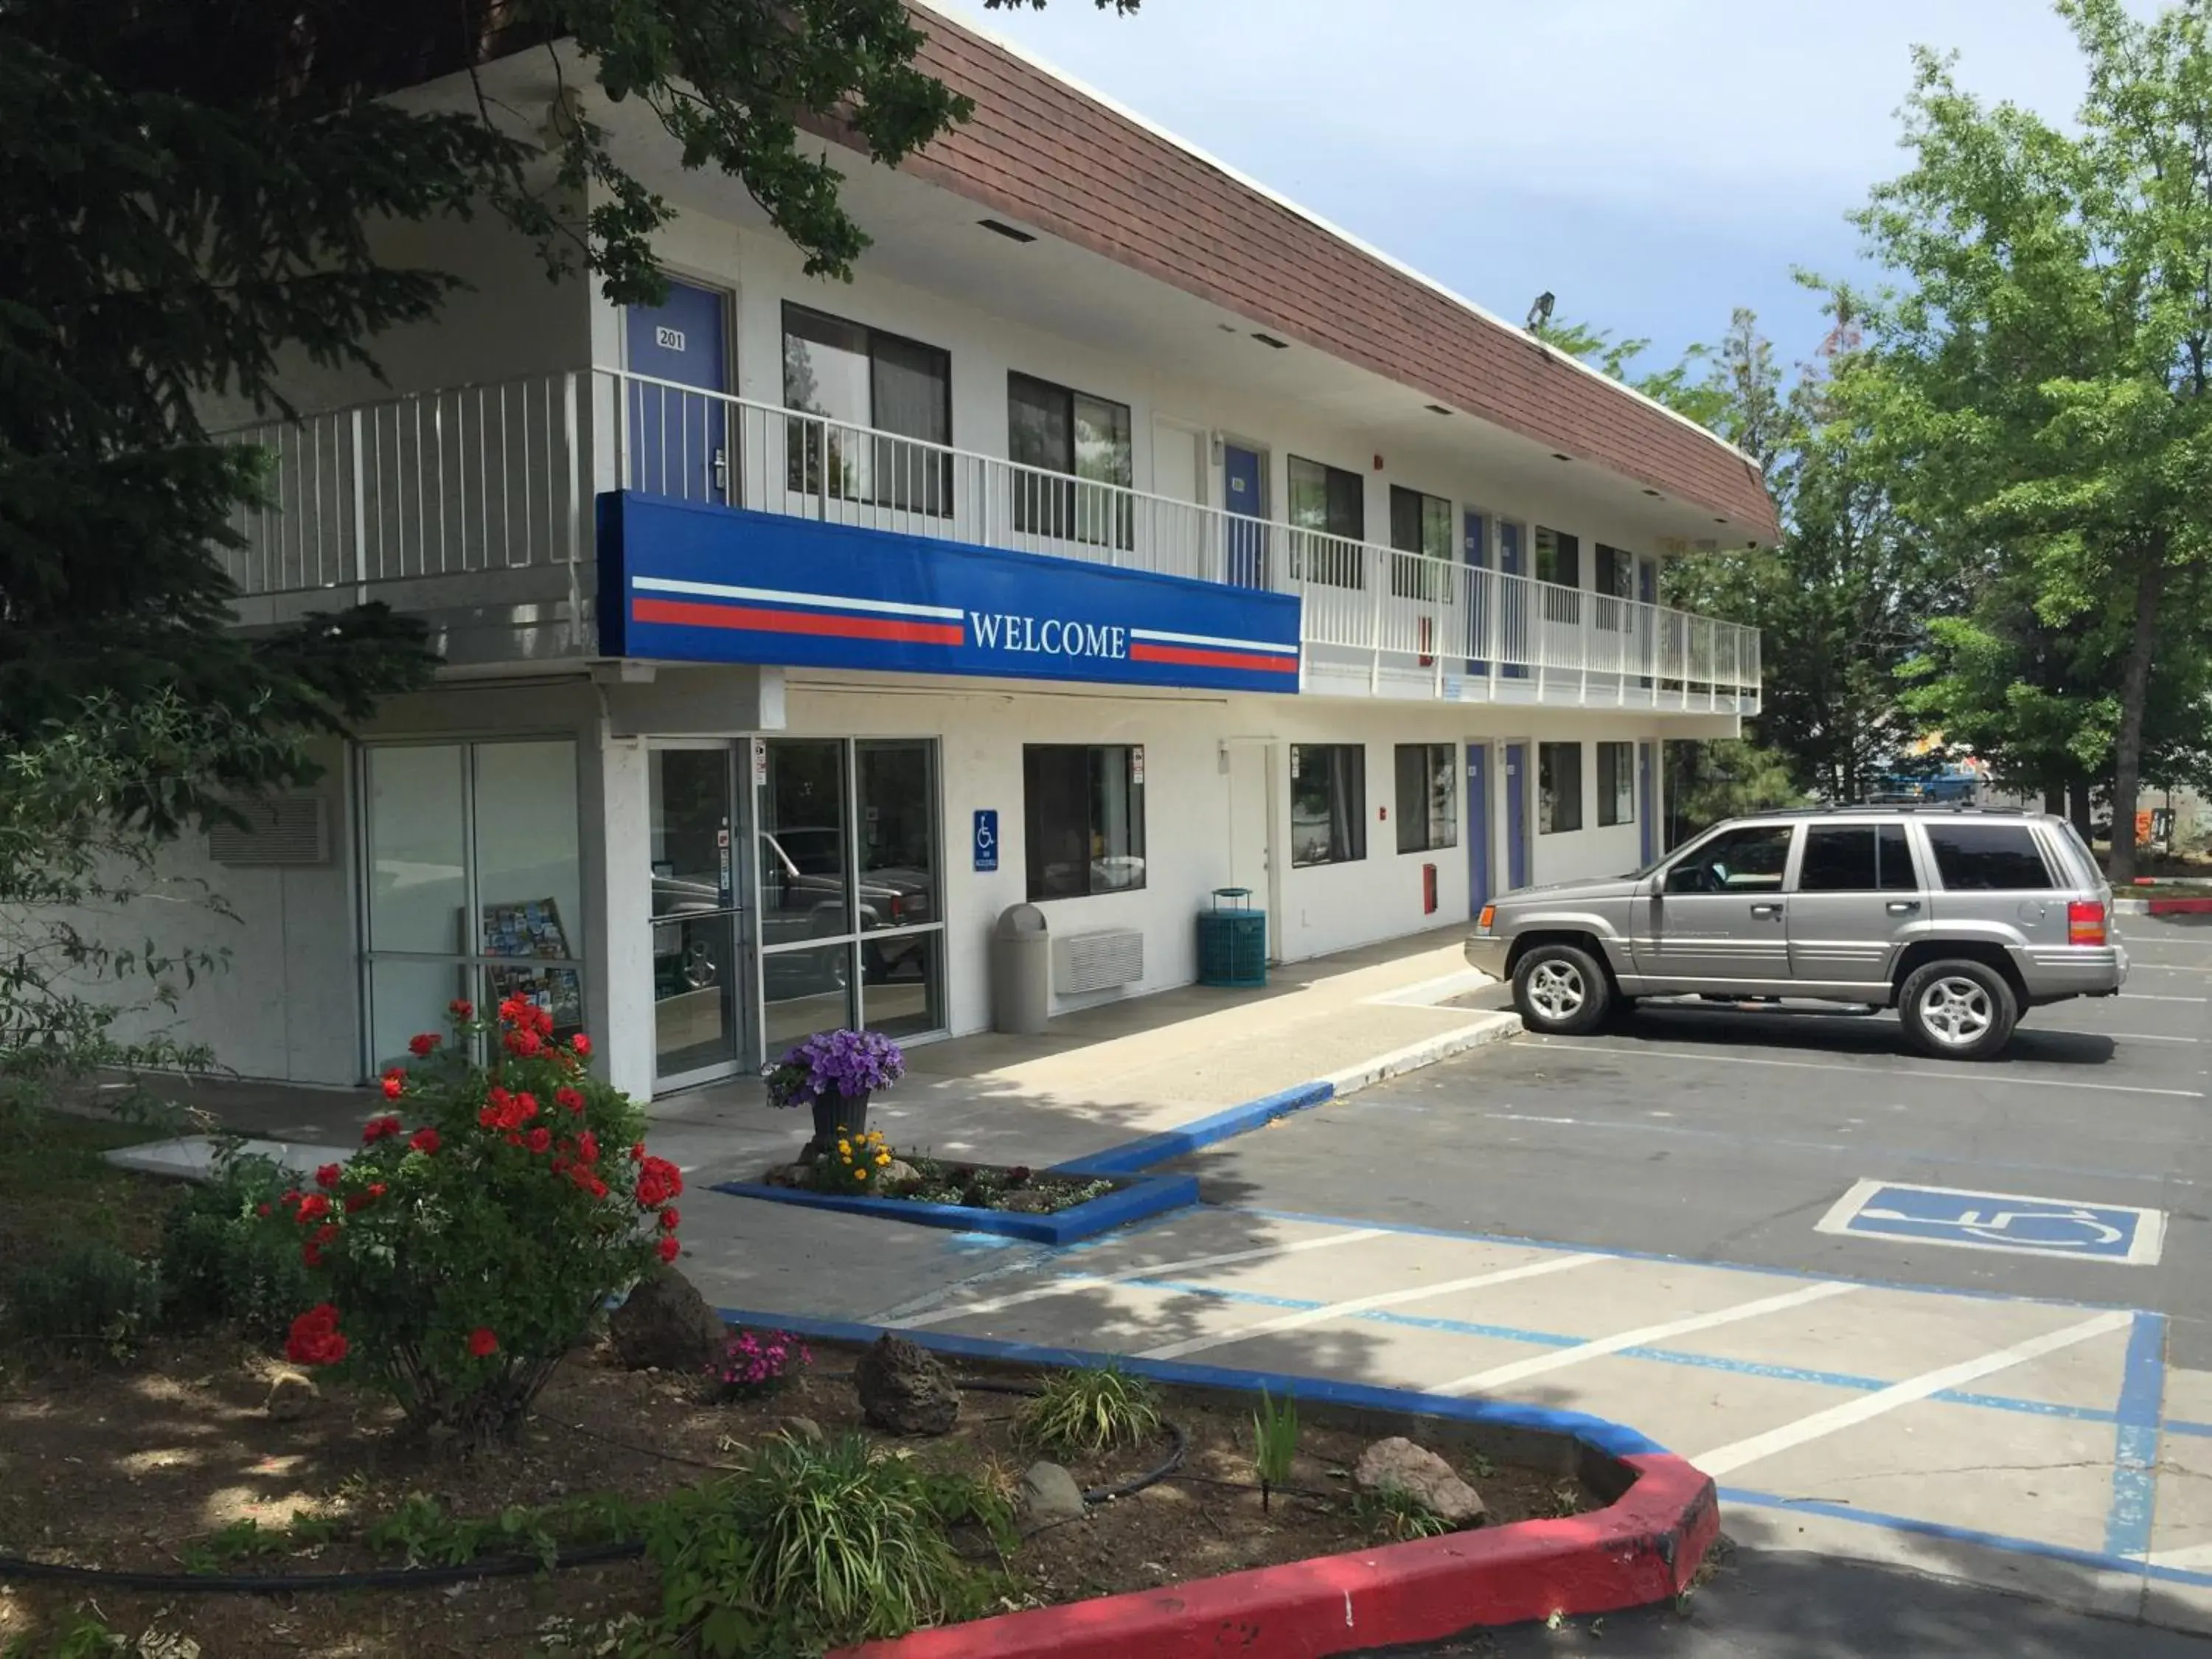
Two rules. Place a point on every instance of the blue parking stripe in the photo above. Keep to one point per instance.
(1661, 1356)
(2135, 1453)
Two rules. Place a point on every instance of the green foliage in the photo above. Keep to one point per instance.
(86, 1300)
(1722, 778)
(1274, 1442)
(468, 1246)
(2038, 386)
(84, 1638)
(221, 1261)
(423, 1533)
(815, 1548)
(1081, 1413)
(1392, 1515)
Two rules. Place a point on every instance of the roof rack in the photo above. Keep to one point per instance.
(1941, 809)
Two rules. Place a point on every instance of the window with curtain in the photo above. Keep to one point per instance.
(871, 390)
(1616, 783)
(1559, 787)
(1427, 775)
(1083, 819)
(1329, 802)
(1419, 524)
(1085, 439)
(1330, 502)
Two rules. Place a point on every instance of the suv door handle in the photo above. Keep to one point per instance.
(1772, 909)
(1902, 906)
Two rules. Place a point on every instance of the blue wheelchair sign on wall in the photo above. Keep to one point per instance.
(1998, 1221)
(987, 840)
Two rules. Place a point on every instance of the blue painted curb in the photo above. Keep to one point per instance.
(1147, 1196)
(1141, 1154)
(1614, 1439)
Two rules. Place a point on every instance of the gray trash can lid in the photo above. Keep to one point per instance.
(1018, 918)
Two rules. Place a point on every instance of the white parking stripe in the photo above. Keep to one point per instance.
(2009, 1080)
(1364, 1303)
(2195, 1558)
(1725, 1460)
(990, 1305)
(2145, 996)
(1498, 1376)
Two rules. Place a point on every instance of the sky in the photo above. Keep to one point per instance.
(1654, 163)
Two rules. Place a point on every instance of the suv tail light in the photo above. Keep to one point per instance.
(1483, 922)
(2085, 923)
(898, 908)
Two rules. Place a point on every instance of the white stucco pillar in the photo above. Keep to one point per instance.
(618, 817)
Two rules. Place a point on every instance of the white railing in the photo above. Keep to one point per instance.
(502, 477)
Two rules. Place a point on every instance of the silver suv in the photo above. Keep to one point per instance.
(1958, 918)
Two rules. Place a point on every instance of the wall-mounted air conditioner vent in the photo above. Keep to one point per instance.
(281, 830)
(1096, 960)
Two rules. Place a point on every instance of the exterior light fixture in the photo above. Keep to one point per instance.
(1540, 312)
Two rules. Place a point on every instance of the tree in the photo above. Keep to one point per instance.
(2042, 375)
(190, 190)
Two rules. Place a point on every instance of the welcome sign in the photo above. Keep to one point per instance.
(683, 582)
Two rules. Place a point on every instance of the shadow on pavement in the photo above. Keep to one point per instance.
(1778, 1604)
(1847, 1034)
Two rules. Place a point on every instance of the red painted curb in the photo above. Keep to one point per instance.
(1642, 1549)
(2180, 907)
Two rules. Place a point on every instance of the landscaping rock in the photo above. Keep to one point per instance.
(1050, 1493)
(804, 1430)
(905, 1390)
(665, 1325)
(899, 1169)
(1420, 1474)
(291, 1397)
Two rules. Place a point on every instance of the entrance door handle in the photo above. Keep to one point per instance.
(1769, 909)
(1902, 906)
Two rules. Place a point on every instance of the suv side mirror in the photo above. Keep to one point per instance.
(1689, 878)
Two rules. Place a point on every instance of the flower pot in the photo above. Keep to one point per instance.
(835, 1114)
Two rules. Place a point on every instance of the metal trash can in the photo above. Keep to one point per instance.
(1021, 971)
(1232, 941)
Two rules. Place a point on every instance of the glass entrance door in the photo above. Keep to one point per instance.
(701, 936)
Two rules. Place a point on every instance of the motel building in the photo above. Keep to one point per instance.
(1123, 533)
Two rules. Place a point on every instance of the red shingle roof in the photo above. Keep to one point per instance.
(1044, 152)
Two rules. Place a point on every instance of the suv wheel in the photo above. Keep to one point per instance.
(1959, 1010)
(1561, 988)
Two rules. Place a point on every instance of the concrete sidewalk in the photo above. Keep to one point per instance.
(1098, 1078)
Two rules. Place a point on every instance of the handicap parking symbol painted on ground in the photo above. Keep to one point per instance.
(1998, 1221)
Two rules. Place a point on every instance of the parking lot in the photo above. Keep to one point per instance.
(1951, 1316)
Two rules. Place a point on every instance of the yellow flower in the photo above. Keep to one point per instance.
(844, 1149)
(859, 1174)
(883, 1158)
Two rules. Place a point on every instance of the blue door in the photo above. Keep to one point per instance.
(1647, 807)
(679, 439)
(1513, 605)
(1478, 827)
(1244, 484)
(1517, 816)
(1474, 548)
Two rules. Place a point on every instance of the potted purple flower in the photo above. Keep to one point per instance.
(834, 1073)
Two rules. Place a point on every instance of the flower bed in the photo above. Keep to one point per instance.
(110, 1470)
(1015, 1188)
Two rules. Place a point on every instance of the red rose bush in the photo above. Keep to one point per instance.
(490, 1213)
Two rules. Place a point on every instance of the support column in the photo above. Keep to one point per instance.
(618, 829)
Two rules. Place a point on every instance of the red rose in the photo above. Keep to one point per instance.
(524, 1041)
(423, 1043)
(581, 1043)
(587, 1147)
(568, 1097)
(311, 1253)
(379, 1127)
(394, 1085)
(314, 1207)
(461, 1008)
(289, 1199)
(315, 1339)
(514, 1139)
(541, 1138)
(669, 1249)
(482, 1342)
(526, 1107)
(423, 1140)
(376, 1189)
(637, 1152)
(669, 1219)
(261, 1209)
(327, 1177)
(355, 1202)
(326, 1235)
(560, 1166)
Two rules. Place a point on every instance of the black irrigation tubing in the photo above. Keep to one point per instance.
(502, 1567)
(171, 1584)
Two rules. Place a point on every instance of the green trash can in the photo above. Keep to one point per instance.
(1232, 941)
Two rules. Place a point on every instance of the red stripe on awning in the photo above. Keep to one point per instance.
(1192, 656)
(751, 619)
